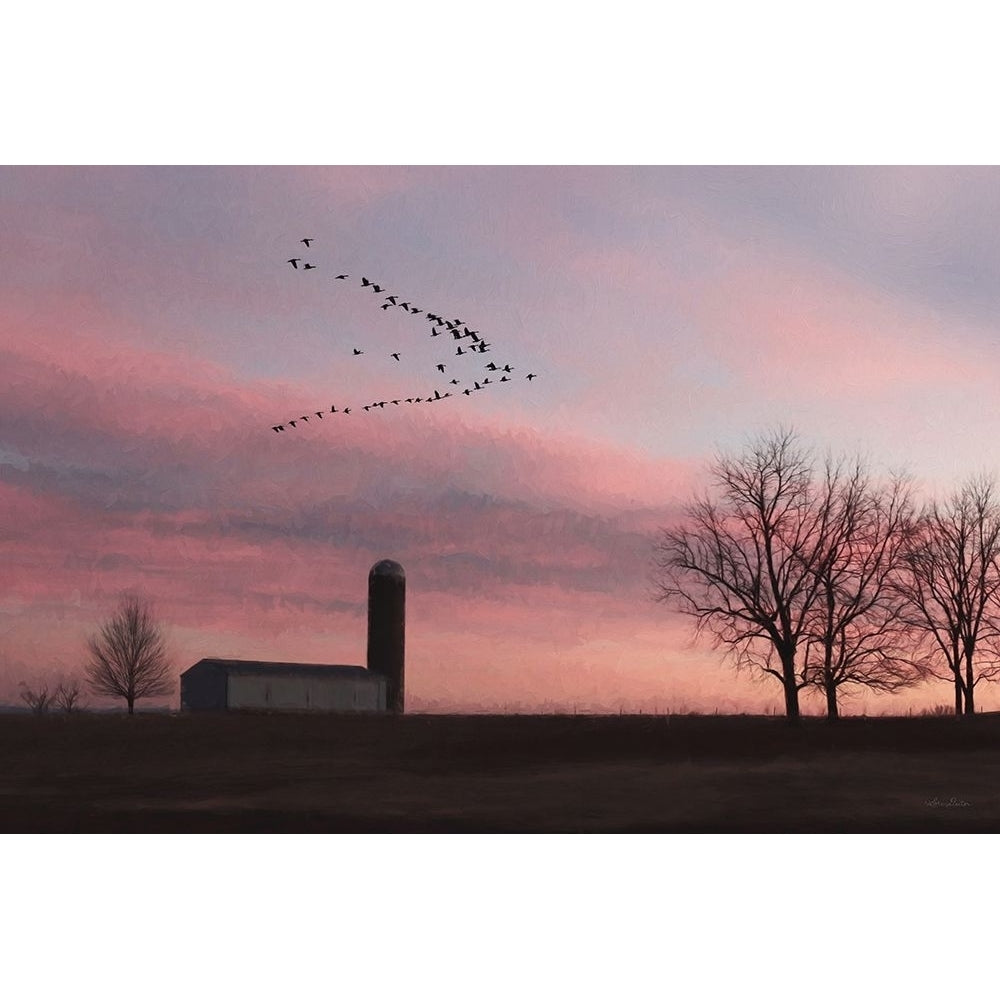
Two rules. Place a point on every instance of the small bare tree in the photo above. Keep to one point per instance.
(127, 657)
(39, 700)
(67, 696)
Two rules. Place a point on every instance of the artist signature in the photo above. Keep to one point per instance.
(952, 803)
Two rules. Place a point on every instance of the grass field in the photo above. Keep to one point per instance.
(423, 773)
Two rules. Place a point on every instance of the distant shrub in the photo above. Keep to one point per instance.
(68, 696)
(39, 700)
(938, 710)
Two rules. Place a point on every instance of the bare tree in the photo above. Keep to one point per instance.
(39, 700)
(747, 562)
(952, 586)
(857, 635)
(127, 657)
(67, 696)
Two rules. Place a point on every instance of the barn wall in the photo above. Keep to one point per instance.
(292, 693)
(203, 688)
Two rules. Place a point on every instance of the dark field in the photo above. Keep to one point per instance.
(420, 773)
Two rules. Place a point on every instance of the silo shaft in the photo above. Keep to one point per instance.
(386, 628)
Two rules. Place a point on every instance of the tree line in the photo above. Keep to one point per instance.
(822, 576)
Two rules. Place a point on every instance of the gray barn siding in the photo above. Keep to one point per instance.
(303, 693)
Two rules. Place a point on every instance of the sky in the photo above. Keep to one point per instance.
(152, 333)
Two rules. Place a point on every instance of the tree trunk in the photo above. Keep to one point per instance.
(958, 695)
(791, 702)
(832, 712)
(970, 698)
(791, 688)
(131, 706)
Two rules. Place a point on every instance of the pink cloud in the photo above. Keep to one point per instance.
(353, 185)
(70, 377)
(826, 333)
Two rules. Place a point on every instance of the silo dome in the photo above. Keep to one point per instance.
(388, 567)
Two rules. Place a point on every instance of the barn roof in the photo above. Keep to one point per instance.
(263, 667)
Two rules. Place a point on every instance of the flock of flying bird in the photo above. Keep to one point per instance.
(467, 343)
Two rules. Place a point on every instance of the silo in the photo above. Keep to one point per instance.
(386, 627)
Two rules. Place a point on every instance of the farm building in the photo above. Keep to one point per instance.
(251, 684)
(214, 684)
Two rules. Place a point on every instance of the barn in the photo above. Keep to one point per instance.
(215, 684)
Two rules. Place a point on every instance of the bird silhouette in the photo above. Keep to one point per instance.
(396, 402)
(340, 277)
(377, 288)
(415, 311)
(347, 409)
(306, 419)
(486, 381)
(308, 267)
(365, 282)
(356, 351)
(492, 366)
(507, 368)
(294, 261)
(436, 333)
(530, 376)
(391, 298)
(503, 378)
(440, 368)
(395, 355)
(307, 240)
(459, 351)
(333, 409)
(291, 423)
(279, 428)
(404, 305)
(454, 381)
(387, 305)
(319, 413)
(467, 392)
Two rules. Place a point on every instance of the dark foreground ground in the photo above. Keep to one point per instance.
(313, 774)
